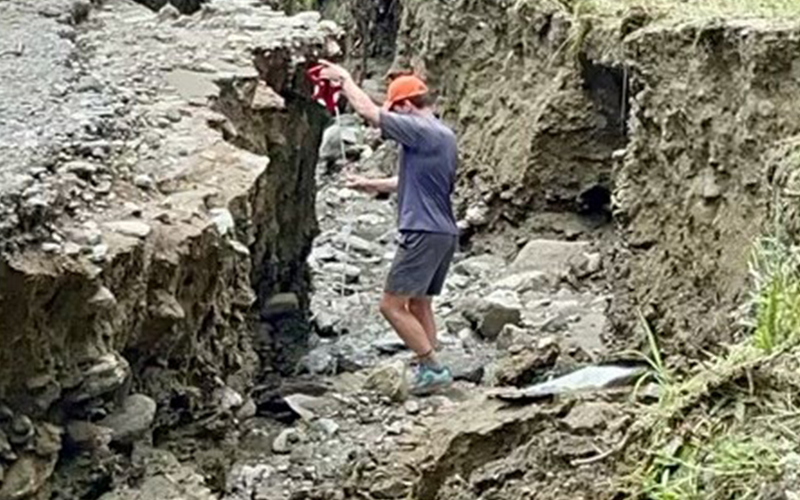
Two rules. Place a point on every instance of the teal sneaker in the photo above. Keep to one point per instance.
(428, 380)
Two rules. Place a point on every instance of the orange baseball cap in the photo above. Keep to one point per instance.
(404, 87)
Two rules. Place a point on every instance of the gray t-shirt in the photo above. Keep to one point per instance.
(426, 176)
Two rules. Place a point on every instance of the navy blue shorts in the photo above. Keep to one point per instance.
(421, 263)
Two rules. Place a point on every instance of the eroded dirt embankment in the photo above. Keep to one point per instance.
(162, 237)
(709, 102)
(677, 118)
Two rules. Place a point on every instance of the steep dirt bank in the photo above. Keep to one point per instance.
(137, 254)
(709, 102)
(674, 117)
(537, 124)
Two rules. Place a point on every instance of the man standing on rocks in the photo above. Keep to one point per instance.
(428, 232)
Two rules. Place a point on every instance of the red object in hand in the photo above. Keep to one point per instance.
(325, 92)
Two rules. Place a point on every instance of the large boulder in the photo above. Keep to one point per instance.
(551, 256)
(390, 381)
(490, 314)
(133, 420)
(526, 366)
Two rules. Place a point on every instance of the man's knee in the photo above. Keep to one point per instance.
(419, 305)
(390, 305)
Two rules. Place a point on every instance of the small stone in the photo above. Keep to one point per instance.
(99, 253)
(132, 422)
(86, 436)
(82, 169)
(26, 476)
(326, 324)
(132, 228)
(456, 323)
(711, 189)
(285, 439)
(265, 98)
(144, 181)
(512, 335)
(223, 219)
(227, 399)
(168, 12)
(107, 374)
(247, 411)
(549, 256)
(466, 336)
(351, 273)
(174, 115)
(103, 299)
(412, 407)
(103, 187)
(48, 439)
(280, 304)
(523, 367)
(50, 247)
(390, 488)
(72, 249)
(328, 426)
(394, 429)
(358, 244)
(307, 407)
(6, 451)
(593, 263)
(239, 247)
(389, 381)
(22, 431)
(492, 313)
(477, 215)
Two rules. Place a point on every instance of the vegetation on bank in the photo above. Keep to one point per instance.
(732, 428)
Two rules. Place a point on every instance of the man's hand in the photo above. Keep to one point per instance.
(360, 183)
(360, 101)
(333, 72)
(388, 185)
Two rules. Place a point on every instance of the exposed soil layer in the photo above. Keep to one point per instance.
(708, 102)
(161, 239)
(538, 121)
(542, 100)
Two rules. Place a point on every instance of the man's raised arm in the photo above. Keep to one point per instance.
(359, 99)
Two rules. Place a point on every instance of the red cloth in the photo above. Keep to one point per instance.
(325, 92)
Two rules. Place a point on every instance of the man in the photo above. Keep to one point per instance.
(428, 232)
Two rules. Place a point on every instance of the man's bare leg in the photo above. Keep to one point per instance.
(422, 309)
(396, 311)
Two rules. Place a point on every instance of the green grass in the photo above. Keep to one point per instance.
(722, 433)
(777, 299)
